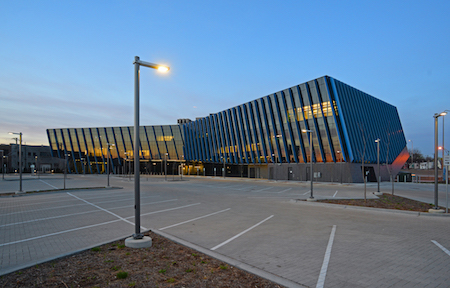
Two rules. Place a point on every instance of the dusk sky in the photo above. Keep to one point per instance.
(70, 63)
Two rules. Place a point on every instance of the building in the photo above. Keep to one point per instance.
(265, 138)
(33, 158)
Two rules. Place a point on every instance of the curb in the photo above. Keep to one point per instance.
(380, 210)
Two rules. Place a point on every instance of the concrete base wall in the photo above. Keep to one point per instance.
(323, 172)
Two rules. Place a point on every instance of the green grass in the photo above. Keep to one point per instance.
(162, 271)
(122, 275)
(96, 249)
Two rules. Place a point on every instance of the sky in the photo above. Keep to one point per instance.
(69, 64)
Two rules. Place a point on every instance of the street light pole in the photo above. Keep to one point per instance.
(138, 241)
(165, 166)
(436, 196)
(37, 167)
(412, 153)
(378, 166)
(3, 168)
(108, 155)
(311, 198)
(20, 160)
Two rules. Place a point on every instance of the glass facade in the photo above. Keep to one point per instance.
(86, 148)
(269, 129)
(344, 121)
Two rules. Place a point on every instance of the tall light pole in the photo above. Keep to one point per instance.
(165, 166)
(436, 196)
(412, 153)
(3, 168)
(340, 170)
(311, 198)
(37, 167)
(20, 159)
(138, 235)
(108, 155)
(378, 166)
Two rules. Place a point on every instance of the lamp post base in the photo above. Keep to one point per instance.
(432, 210)
(138, 243)
(20, 192)
(378, 193)
(311, 199)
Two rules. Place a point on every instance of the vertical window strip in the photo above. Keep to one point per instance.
(317, 133)
(165, 142)
(337, 120)
(156, 143)
(274, 131)
(88, 158)
(264, 130)
(220, 138)
(325, 121)
(281, 127)
(73, 151)
(226, 136)
(79, 149)
(148, 143)
(212, 137)
(255, 134)
(237, 133)
(93, 147)
(232, 137)
(174, 143)
(248, 129)
(288, 125)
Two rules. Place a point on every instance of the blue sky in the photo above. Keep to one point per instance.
(69, 63)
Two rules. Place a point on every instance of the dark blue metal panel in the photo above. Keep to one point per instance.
(237, 133)
(316, 125)
(156, 143)
(249, 141)
(107, 148)
(289, 127)
(274, 127)
(93, 147)
(255, 132)
(332, 95)
(165, 143)
(223, 128)
(148, 143)
(83, 131)
(305, 122)
(220, 132)
(283, 135)
(212, 137)
(79, 150)
(261, 131)
(231, 133)
(73, 151)
(101, 145)
(131, 138)
(119, 161)
(173, 139)
(327, 130)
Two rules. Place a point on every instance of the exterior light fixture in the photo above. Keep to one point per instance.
(311, 198)
(436, 196)
(378, 166)
(20, 159)
(138, 240)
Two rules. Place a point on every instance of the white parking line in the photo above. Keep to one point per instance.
(442, 247)
(81, 213)
(284, 190)
(48, 184)
(107, 211)
(90, 226)
(263, 189)
(201, 217)
(335, 194)
(240, 234)
(306, 192)
(326, 260)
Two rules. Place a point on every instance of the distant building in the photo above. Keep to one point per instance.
(263, 138)
(44, 161)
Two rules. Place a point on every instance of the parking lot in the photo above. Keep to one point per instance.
(256, 222)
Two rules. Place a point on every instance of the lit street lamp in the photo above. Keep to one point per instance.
(138, 240)
(109, 156)
(3, 168)
(412, 153)
(20, 159)
(378, 166)
(436, 197)
(311, 198)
